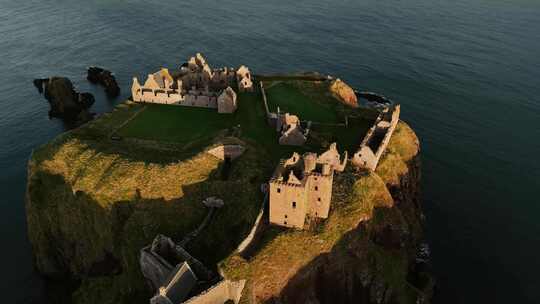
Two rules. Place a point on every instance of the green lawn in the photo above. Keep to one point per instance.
(186, 125)
(290, 99)
(176, 123)
(348, 138)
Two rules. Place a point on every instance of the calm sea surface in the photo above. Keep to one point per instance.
(467, 74)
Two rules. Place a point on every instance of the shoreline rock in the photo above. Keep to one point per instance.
(344, 93)
(66, 103)
(97, 75)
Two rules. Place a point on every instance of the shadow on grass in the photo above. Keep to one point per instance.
(77, 240)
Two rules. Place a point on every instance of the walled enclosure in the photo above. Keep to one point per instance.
(194, 84)
(376, 140)
(287, 125)
(301, 187)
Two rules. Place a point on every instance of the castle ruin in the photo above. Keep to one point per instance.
(194, 84)
(181, 283)
(301, 187)
(376, 140)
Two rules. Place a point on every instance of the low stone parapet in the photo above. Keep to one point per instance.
(220, 293)
(227, 151)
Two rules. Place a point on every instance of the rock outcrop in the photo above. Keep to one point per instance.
(66, 103)
(105, 78)
(344, 93)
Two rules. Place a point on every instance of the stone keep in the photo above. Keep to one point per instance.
(301, 187)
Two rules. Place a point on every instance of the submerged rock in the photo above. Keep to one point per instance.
(344, 93)
(104, 77)
(66, 103)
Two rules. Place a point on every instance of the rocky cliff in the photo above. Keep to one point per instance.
(376, 261)
(367, 251)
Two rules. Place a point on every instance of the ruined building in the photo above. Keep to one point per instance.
(290, 129)
(301, 187)
(194, 84)
(376, 140)
(177, 277)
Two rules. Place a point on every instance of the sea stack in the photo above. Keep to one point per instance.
(105, 78)
(66, 103)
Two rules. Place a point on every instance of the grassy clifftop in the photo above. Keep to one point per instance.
(97, 194)
(94, 202)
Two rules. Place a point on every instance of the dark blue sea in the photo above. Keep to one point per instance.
(467, 74)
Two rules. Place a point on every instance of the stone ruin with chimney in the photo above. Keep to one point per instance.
(194, 84)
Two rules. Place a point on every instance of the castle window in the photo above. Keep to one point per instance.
(316, 188)
(294, 205)
(285, 216)
(319, 199)
(278, 190)
(285, 222)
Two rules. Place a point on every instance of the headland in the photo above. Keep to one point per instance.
(216, 185)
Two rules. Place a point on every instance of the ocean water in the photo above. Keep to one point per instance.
(467, 74)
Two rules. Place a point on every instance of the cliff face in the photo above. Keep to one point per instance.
(376, 261)
(93, 203)
(366, 250)
(372, 263)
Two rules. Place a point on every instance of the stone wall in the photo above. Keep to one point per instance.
(268, 114)
(319, 194)
(220, 293)
(255, 230)
(160, 96)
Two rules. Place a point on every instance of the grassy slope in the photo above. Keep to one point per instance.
(283, 254)
(113, 197)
